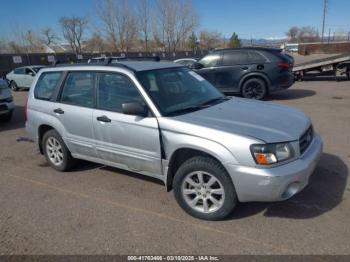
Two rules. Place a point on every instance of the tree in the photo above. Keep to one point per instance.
(193, 41)
(176, 19)
(303, 34)
(145, 21)
(95, 43)
(73, 29)
(210, 39)
(120, 23)
(48, 36)
(235, 42)
(293, 33)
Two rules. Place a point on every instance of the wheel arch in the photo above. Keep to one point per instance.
(182, 154)
(261, 76)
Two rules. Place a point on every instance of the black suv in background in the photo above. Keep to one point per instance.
(252, 72)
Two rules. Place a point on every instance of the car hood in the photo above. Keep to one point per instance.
(261, 120)
(5, 93)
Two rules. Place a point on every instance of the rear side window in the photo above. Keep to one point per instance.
(113, 90)
(46, 85)
(255, 57)
(235, 58)
(79, 89)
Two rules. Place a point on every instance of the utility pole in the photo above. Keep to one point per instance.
(325, 6)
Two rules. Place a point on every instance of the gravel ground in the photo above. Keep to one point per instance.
(101, 210)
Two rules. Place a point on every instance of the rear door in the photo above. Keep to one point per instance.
(210, 64)
(127, 141)
(234, 65)
(75, 109)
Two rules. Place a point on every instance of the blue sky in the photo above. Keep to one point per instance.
(249, 18)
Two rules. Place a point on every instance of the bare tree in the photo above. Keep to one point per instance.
(119, 22)
(95, 43)
(145, 21)
(48, 36)
(210, 39)
(293, 33)
(176, 21)
(73, 29)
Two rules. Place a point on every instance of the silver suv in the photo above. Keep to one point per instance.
(163, 120)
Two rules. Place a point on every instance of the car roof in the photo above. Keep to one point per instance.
(248, 48)
(135, 66)
(30, 66)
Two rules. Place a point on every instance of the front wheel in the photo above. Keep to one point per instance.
(203, 189)
(14, 86)
(254, 88)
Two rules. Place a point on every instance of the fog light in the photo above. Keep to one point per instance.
(291, 190)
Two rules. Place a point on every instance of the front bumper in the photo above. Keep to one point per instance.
(6, 108)
(276, 183)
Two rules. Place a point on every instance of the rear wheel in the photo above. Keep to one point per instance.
(254, 88)
(203, 189)
(56, 152)
(14, 86)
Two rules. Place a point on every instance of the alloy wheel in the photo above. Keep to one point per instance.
(54, 151)
(203, 192)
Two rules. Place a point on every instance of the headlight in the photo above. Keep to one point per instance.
(267, 154)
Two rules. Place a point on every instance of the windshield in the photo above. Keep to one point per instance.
(178, 90)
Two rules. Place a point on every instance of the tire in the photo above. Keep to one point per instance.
(6, 118)
(13, 86)
(254, 88)
(187, 193)
(56, 152)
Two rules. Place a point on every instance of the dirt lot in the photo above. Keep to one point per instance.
(99, 210)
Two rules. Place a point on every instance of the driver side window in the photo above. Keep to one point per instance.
(210, 60)
(113, 90)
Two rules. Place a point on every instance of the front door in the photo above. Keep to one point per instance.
(129, 142)
(209, 63)
(234, 65)
(28, 78)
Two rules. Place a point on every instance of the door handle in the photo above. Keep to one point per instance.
(103, 119)
(58, 111)
(245, 68)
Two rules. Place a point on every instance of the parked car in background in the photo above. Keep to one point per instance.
(6, 102)
(252, 72)
(163, 120)
(22, 77)
(186, 61)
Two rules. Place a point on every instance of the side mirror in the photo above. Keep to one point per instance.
(135, 109)
(196, 65)
(31, 74)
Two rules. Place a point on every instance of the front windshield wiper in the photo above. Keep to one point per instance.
(186, 110)
(215, 100)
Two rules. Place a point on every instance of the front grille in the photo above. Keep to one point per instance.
(306, 139)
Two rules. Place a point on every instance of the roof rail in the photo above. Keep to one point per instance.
(139, 58)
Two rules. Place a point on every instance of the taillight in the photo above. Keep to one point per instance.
(283, 65)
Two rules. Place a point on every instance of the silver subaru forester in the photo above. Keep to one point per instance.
(163, 120)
